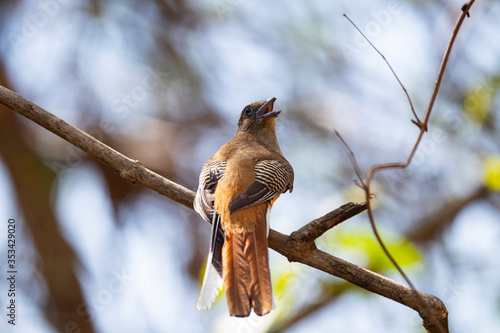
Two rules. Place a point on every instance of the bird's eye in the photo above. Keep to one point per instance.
(248, 111)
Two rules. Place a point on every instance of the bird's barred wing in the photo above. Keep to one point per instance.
(272, 177)
(210, 175)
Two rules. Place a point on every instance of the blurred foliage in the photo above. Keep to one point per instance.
(360, 245)
(478, 101)
(491, 168)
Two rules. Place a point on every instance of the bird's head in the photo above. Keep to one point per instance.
(258, 118)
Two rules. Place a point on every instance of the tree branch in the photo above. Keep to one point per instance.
(300, 247)
(129, 169)
(317, 227)
(308, 254)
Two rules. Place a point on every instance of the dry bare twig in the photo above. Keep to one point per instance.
(436, 323)
(298, 247)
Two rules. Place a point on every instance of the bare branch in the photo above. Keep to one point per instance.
(437, 85)
(308, 254)
(465, 12)
(293, 248)
(354, 162)
(434, 319)
(417, 122)
(129, 169)
(317, 227)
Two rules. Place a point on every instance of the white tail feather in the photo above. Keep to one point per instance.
(211, 287)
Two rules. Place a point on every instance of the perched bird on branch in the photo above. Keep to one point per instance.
(237, 188)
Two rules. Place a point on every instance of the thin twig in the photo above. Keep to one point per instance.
(437, 85)
(417, 122)
(351, 157)
(368, 196)
(435, 321)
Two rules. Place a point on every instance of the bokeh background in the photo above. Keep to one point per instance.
(164, 81)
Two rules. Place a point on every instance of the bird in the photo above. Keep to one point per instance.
(237, 187)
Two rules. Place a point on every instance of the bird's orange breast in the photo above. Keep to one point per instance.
(239, 175)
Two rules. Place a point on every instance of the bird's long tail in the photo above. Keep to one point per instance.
(246, 273)
(212, 281)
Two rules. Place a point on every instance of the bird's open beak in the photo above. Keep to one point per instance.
(266, 110)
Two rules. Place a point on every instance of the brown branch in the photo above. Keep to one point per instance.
(423, 126)
(417, 121)
(292, 248)
(317, 227)
(308, 254)
(129, 169)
